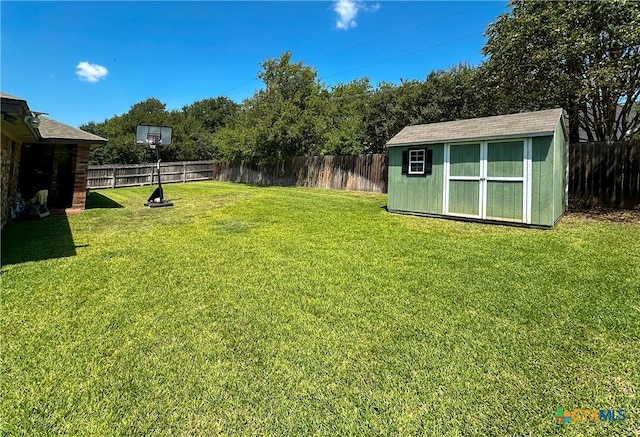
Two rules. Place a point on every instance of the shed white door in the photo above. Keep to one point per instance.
(488, 180)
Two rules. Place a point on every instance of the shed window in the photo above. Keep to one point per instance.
(417, 162)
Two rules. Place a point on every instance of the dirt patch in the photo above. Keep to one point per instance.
(606, 214)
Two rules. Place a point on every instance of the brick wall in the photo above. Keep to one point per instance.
(81, 166)
(10, 164)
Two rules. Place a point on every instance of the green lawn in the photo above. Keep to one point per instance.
(291, 311)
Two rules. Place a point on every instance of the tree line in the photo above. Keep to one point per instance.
(582, 56)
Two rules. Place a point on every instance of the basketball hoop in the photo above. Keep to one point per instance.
(154, 140)
(155, 137)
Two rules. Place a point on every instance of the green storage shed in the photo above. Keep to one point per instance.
(508, 168)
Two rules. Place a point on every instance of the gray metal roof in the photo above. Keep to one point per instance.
(525, 124)
(54, 130)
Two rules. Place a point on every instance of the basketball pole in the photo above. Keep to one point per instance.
(160, 192)
(156, 143)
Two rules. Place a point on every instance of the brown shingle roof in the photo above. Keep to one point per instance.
(524, 124)
(54, 130)
(51, 130)
(9, 96)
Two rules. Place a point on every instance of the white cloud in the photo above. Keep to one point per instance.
(347, 11)
(91, 72)
(373, 8)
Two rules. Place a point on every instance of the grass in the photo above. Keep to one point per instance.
(288, 311)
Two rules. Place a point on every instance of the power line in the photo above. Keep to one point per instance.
(389, 35)
(238, 86)
(403, 55)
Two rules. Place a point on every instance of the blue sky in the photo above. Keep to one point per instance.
(88, 61)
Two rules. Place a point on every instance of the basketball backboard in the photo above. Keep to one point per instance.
(153, 135)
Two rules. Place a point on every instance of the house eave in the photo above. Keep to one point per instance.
(19, 109)
(72, 141)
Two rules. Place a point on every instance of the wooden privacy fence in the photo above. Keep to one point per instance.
(604, 174)
(600, 174)
(131, 175)
(361, 173)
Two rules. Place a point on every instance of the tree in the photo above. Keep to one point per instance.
(99, 155)
(212, 113)
(583, 56)
(288, 109)
(343, 118)
(635, 135)
(192, 139)
(120, 131)
(381, 118)
(283, 119)
(444, 95)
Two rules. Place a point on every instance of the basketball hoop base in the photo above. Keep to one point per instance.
(158, 205)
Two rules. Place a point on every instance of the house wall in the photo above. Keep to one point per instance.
(81, 165)
(65, 170)
(10, 165)
(421, 194)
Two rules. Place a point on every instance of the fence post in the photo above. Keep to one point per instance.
(184, 172)
(113, 185)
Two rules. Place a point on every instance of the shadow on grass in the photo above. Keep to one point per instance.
(36, 240)
(97, 200)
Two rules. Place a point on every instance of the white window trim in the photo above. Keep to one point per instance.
(528, 176)
(423, 161)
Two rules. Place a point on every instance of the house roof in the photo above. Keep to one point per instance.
(14, 110)
(583, 137)
(48, 131)
(54, 131)
(9, 96)
(525, 124)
